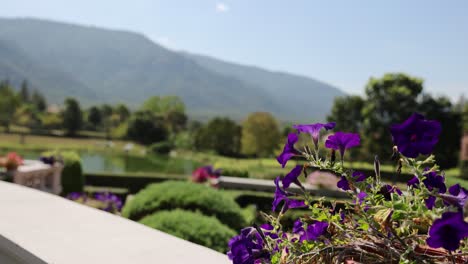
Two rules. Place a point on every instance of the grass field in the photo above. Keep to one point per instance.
(40, 143)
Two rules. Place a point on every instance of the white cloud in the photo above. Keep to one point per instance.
(221, 7)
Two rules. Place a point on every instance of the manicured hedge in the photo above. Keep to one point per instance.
(192, 226)
(73, 179)
(133, 182)
(72, 175)
(185, 195)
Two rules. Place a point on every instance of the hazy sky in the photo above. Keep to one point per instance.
(339, 42)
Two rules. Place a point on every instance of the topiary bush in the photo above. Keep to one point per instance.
(192, 226)
(236, 173)
(163, 147)
(185, 195)
(73, 179)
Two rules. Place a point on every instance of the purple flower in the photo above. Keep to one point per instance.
(247, 247)
(342, 216)
(281, 195)
(314, 130)
(416, 135)
(458, 196)
(313, 231)
(111, 201)
(288, 151)
(387, 190)
(47, 160)
(268, 230)
(292, 177)
(435, 181)
(359, 176)
(447, 231)
(413, 182)
(343, 184)
(342, 141)
(361, 196)
(75, 196)
(430, 202)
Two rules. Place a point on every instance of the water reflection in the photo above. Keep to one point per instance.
(108, 162)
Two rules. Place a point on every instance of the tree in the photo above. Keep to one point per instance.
(221, 135)
(27, 116)
(260, 134)
(346, 112)
(465, 117)
(24, 92)
(95, 117)
(106, 111)
(390, 99)
(441, 109)
(122, 111)
(72, 116)
(176, 121)
(164, 104)
(146, 128)
(9, 101)
(39, 101)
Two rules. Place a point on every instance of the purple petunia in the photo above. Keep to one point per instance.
(281, 195)
(312, 232)
(359, 176)
(458, 196)
(342, 141)
(416, 135)
(75, 196)
(343, 183)
(247, 247)
(292, 176)
(361, 196)
(413, 182)
(433, 180)
(314, 130)
(268, 230)
(288, 151)
(111, 201)
(387, 190)
(447, 231)
(430, 202)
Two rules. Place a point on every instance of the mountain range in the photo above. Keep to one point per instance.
(98, 65)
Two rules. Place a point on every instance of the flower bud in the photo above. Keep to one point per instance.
(395, 153)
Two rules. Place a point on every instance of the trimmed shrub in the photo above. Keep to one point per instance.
(161, 147)
(72, 175)
(235, 173)
(73, 179)
(192, 226)
(185, 195)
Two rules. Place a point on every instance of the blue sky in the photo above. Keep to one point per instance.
(339, 42)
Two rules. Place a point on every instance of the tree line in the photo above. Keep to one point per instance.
(161, 122)
(391, 99)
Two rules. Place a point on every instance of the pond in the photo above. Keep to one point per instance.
(112, 163)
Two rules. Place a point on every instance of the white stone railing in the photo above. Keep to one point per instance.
(37, 227)
(37, 175)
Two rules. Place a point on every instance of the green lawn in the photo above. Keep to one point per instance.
(41, 143)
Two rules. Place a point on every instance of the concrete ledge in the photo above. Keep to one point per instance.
(38, 227)
(226, 182)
